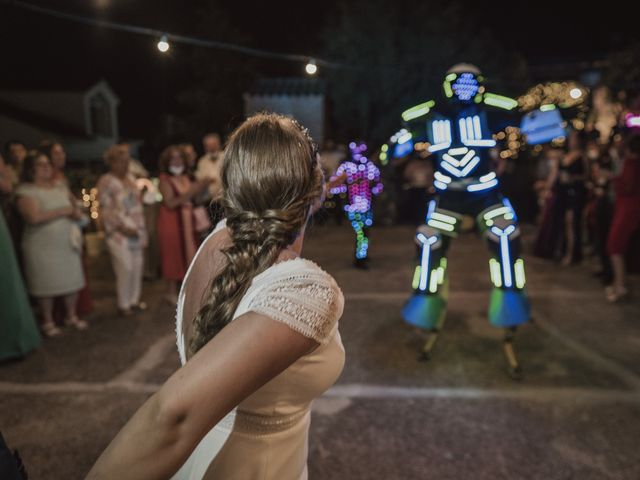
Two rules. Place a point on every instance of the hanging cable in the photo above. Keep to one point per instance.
(200, 42)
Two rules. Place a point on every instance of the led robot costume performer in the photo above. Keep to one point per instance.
(361, 181)
(459, 135)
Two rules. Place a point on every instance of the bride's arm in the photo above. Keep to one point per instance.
(161, 435)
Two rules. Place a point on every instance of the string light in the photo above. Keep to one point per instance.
(561, 94)
(311, 68)
(163, 44)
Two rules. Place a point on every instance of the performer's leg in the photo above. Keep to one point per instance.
(361, 221)
(426, 309)
(509, 305)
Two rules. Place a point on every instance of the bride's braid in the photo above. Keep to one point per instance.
(270, 178)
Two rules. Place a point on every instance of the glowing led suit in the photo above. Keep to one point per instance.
(459, 133)
(361, 181)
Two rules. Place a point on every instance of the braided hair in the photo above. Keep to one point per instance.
(270, 178)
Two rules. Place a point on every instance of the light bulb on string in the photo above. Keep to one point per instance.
(163, 44)
(311, 68)
(575, 93)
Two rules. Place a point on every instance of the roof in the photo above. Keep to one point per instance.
(40, 121)
(292, 86)
(78, 85)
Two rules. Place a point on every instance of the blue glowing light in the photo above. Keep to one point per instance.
(431, 208)
(471, 132)
(441, 134)
(424, 261)
(542, 126)
(465, 87)
(402, 149)
(505, 255)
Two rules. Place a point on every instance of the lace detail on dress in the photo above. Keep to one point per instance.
(307, 300)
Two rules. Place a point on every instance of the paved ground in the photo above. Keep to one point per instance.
(576, 414)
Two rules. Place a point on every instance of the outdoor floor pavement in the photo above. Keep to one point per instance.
(574, 415)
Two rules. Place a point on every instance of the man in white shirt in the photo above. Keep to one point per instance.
(209, 168)
(210, 163)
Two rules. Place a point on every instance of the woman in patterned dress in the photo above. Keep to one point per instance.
(126, 235)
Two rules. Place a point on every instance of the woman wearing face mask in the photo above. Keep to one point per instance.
(176, 233)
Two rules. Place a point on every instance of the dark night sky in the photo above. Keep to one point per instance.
(45, 52)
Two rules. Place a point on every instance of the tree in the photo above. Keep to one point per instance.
(396, 56)
(213, 99)
(623, 72)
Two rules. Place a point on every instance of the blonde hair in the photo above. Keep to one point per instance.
(115, 151)
(270, 179)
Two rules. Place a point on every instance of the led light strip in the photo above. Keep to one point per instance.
(494, 269)
(519, 271)
(504, 252)
(480, 143)
(467, 157)
(417, 111)
(458, 151)
(405, 138)
(473, 164)
(487, 177)
(495, 212)
(442, 177)
(451, 169)
(424, 263)
(478, 187)
(440, 225)
(500, 101)
(444, 218)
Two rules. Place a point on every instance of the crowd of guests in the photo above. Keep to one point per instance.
(589, 198)
(41, 238)
(588, 194)
(41, 244)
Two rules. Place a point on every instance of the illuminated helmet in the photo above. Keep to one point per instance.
(463, 83)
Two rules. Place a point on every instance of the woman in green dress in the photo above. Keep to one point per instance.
(18, 331)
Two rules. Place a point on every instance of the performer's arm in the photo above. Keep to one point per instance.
(337, 180)
(378, 186)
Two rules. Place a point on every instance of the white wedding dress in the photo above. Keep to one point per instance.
(266, 436)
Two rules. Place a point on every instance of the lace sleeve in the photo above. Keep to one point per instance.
(308, 301)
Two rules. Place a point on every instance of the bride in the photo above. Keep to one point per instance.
(256, 326)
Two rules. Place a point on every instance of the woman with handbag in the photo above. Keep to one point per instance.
(126, 234)
(176, 223)
(51, 241)
(56, 153)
